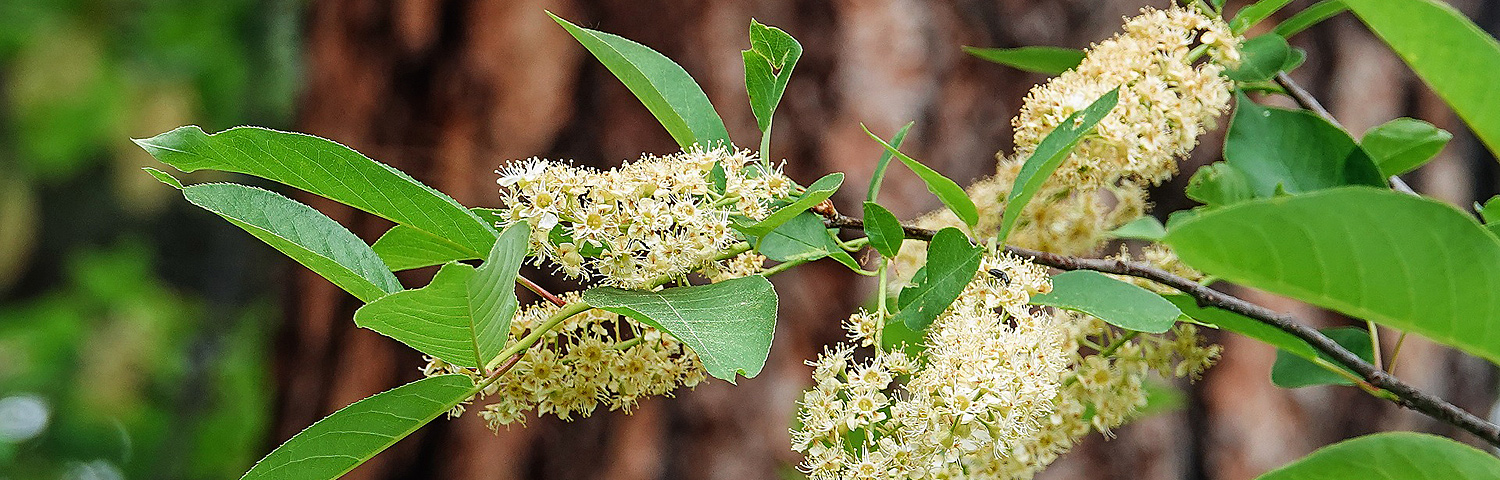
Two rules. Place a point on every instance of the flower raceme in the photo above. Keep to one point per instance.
(655, 217)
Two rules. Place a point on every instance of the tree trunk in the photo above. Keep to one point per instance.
(449, 90)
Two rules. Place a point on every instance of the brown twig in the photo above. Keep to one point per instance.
(1406, 395)
(537, 289)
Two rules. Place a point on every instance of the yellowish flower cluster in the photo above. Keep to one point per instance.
(1166, 100)
(988, 378)
(1101, 391)
(591, 359)
(655, 217)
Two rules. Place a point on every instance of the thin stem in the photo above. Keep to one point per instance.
(1120, 342)
(1407, 396)
(1390, 367)
(881, 272)
(1375, 343)
(537, 289)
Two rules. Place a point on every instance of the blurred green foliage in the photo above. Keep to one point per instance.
(123, 328)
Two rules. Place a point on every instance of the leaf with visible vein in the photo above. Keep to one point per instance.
(1049, 154)
(816, 193)
(728, 324)
(1392, 456)
(1403, 261)
(328, 169)
(951, 264)
(883, 229)
(300, 232)
(1448, 51)
(661, 85)
(1115, 302)
(339, 442)
(947, 191)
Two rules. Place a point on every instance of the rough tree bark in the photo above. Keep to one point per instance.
(449, 90)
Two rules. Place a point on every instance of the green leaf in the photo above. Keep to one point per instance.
(164, 177)
(1263, 56)
(1403, 261)
(1403, 144)
(463, 316)
(661, 84)
(728, 324)
(405, 248)
(339, 442)
(1039, 59)
(1490, 212)
(883, 229)
(951, 264)
(1252, 14)
(1217, 184)
(434, 319)
(816, 193)
(1276, 150)
(1293, 371)
(885, 160)
(302, 233)
(1049, 154)
(952, 195)
(1294, 58)
(1118, 303)
(1449, 52)
(768, 65)
(1392, 455)
(1144, 228)
(803, 237)
(327, 169)
(492, 291)
(1243, 325)
(1309, 16)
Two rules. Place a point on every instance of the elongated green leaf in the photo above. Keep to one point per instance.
(463, 316)
(1293, 371)
(405, 248)
(1408, 262)
(1448, 51)
(952, 195)
(1309, 16)
(1049, 154)
(804, 237)
(302, 233)
(1144, 228)
(885, 160)
(951, 264)
(1252, 14)
(768, 66)
(1392, 456)
(1403, 144)
(1263, 56)
(883, 229)
(1039, 59)
(1243, 325)
(816, 193)
(661, 84)
(327, 169)
(728, 324)
(339, 442)
(1117, 303)
(1272, 151)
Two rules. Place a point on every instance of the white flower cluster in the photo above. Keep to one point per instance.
(593, 358)
(655, 217)
(1166, 100)
(986, 381)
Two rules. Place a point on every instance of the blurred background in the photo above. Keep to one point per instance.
(142, 338)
